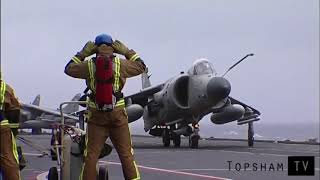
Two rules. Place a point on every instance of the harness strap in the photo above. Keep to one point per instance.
(108, 81)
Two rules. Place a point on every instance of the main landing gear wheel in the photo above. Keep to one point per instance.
(103, 173)
(194, 141)
(250, 134)
(176, 140)
(166, 138)
(53, 173)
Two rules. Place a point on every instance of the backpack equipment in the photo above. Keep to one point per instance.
(104, 96)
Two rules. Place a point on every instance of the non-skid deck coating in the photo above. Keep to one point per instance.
(210, 161)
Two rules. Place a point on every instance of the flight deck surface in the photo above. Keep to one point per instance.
(215, 159)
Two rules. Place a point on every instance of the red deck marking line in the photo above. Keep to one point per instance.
(171, 171)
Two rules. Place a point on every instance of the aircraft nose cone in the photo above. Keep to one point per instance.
(218, 88)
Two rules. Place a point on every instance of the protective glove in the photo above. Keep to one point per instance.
(119, 47)
(88, 49)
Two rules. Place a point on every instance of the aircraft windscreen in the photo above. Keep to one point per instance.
(202, 66)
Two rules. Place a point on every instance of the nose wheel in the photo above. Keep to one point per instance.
(167, 135)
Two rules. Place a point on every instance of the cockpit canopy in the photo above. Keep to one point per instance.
(202, 66)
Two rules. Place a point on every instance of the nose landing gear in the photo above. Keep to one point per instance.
(168, 135)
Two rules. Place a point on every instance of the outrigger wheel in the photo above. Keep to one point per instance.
(250, 134)
(194, 141)
(166, 138)
(103, 172)
(53, 173)
(176, 140)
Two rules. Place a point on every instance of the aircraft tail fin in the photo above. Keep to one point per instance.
(36, 101)
(71, 108)
(145, 80)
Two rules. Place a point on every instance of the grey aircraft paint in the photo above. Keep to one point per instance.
(36, 117)
(175, 107)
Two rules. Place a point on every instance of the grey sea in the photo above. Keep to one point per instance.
(263, 131)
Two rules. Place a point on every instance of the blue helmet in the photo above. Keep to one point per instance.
(103, 39)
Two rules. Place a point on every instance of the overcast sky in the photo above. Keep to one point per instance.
(38, 37)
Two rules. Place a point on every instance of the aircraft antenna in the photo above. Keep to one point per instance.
(237, 63)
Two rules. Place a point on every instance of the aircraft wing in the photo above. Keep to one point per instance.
(141, 97)
(40, 111)
(250, 112)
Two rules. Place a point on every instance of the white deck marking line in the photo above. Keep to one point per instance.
(32, 154)
(156, 152)
(42, 176)
(239, 152)
(170, 171)
(284, 150)
(283, 155)
(258, 153)
(28, 169)
(269, 154)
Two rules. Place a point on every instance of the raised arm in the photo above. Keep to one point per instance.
(77, 67)
(133, 65)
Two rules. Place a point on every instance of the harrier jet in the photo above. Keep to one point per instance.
(35, 117)
(175, 107)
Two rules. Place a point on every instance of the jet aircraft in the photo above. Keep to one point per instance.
(175, 107)
(35, 117)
